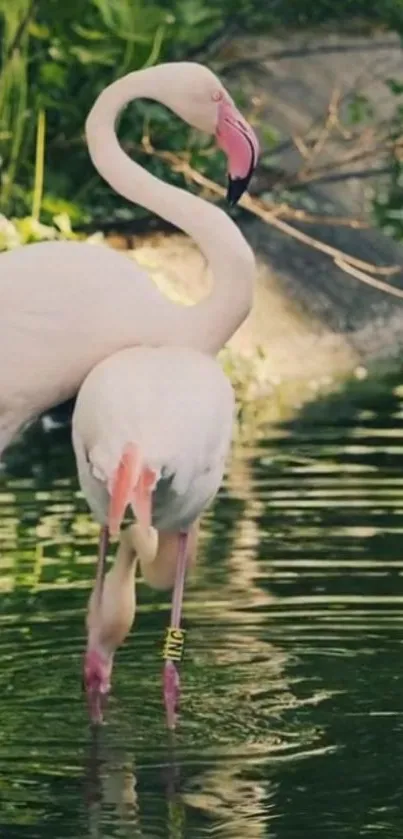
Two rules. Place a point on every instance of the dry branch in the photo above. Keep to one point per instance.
(351, 265)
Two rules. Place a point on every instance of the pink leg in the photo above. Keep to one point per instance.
(174, 642)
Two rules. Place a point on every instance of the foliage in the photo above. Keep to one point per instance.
(56, 57)
(388, 205)
(22, 231)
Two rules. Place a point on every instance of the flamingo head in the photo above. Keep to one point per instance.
(237, 139)
(97, 682)
(200, 99)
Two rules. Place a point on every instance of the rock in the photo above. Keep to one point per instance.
(293, 80)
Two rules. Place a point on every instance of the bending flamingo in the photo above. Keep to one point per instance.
(65, 306)
(152, 428)
(112, 603)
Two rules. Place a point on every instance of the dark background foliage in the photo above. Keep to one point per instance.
(56, 57)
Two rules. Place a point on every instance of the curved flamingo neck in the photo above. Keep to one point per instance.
(209, 324)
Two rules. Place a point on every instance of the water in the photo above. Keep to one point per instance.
(292, 717)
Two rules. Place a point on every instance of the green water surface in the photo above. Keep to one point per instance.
(291, 722)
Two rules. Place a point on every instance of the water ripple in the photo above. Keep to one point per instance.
(292, 681)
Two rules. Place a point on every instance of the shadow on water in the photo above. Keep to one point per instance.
(291, 719)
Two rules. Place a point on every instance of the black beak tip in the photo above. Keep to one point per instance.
(235, 190)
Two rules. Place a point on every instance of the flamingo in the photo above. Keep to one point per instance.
(152, 429)
(66, 306)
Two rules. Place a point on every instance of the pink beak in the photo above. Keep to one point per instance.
(238, 140)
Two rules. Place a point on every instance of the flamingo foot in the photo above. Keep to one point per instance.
(171, 683)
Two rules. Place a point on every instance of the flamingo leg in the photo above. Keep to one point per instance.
(103, 546)
(175, 636)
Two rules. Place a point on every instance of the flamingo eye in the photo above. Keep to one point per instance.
(217, 96)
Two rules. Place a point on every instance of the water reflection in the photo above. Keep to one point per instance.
(291, 716)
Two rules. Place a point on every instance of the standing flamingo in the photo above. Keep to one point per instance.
(65, 306)
(152, 429)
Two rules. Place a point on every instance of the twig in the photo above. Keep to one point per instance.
(371, 281)
(358, 174)
(352, 156)
(179, 164)
(370, 141)
(332, 119)
(301, 146)
(329, 250)
(329, 221)
(368, 144)
(258, 208)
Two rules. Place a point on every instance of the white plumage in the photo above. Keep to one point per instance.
(65, 306)
(177, 406)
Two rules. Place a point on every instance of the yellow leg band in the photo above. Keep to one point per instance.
(174, 643)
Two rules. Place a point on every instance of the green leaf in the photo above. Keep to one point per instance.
(193, 12)
(38, 30)
(89, 34)
(51, 73)
(84, 55)
(270, 135)
(359, 109)
(395, 86)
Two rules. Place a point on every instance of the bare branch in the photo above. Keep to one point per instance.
(179, 163)
(332, 119)
(372, 281)
(346, 262)
(367, 143)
